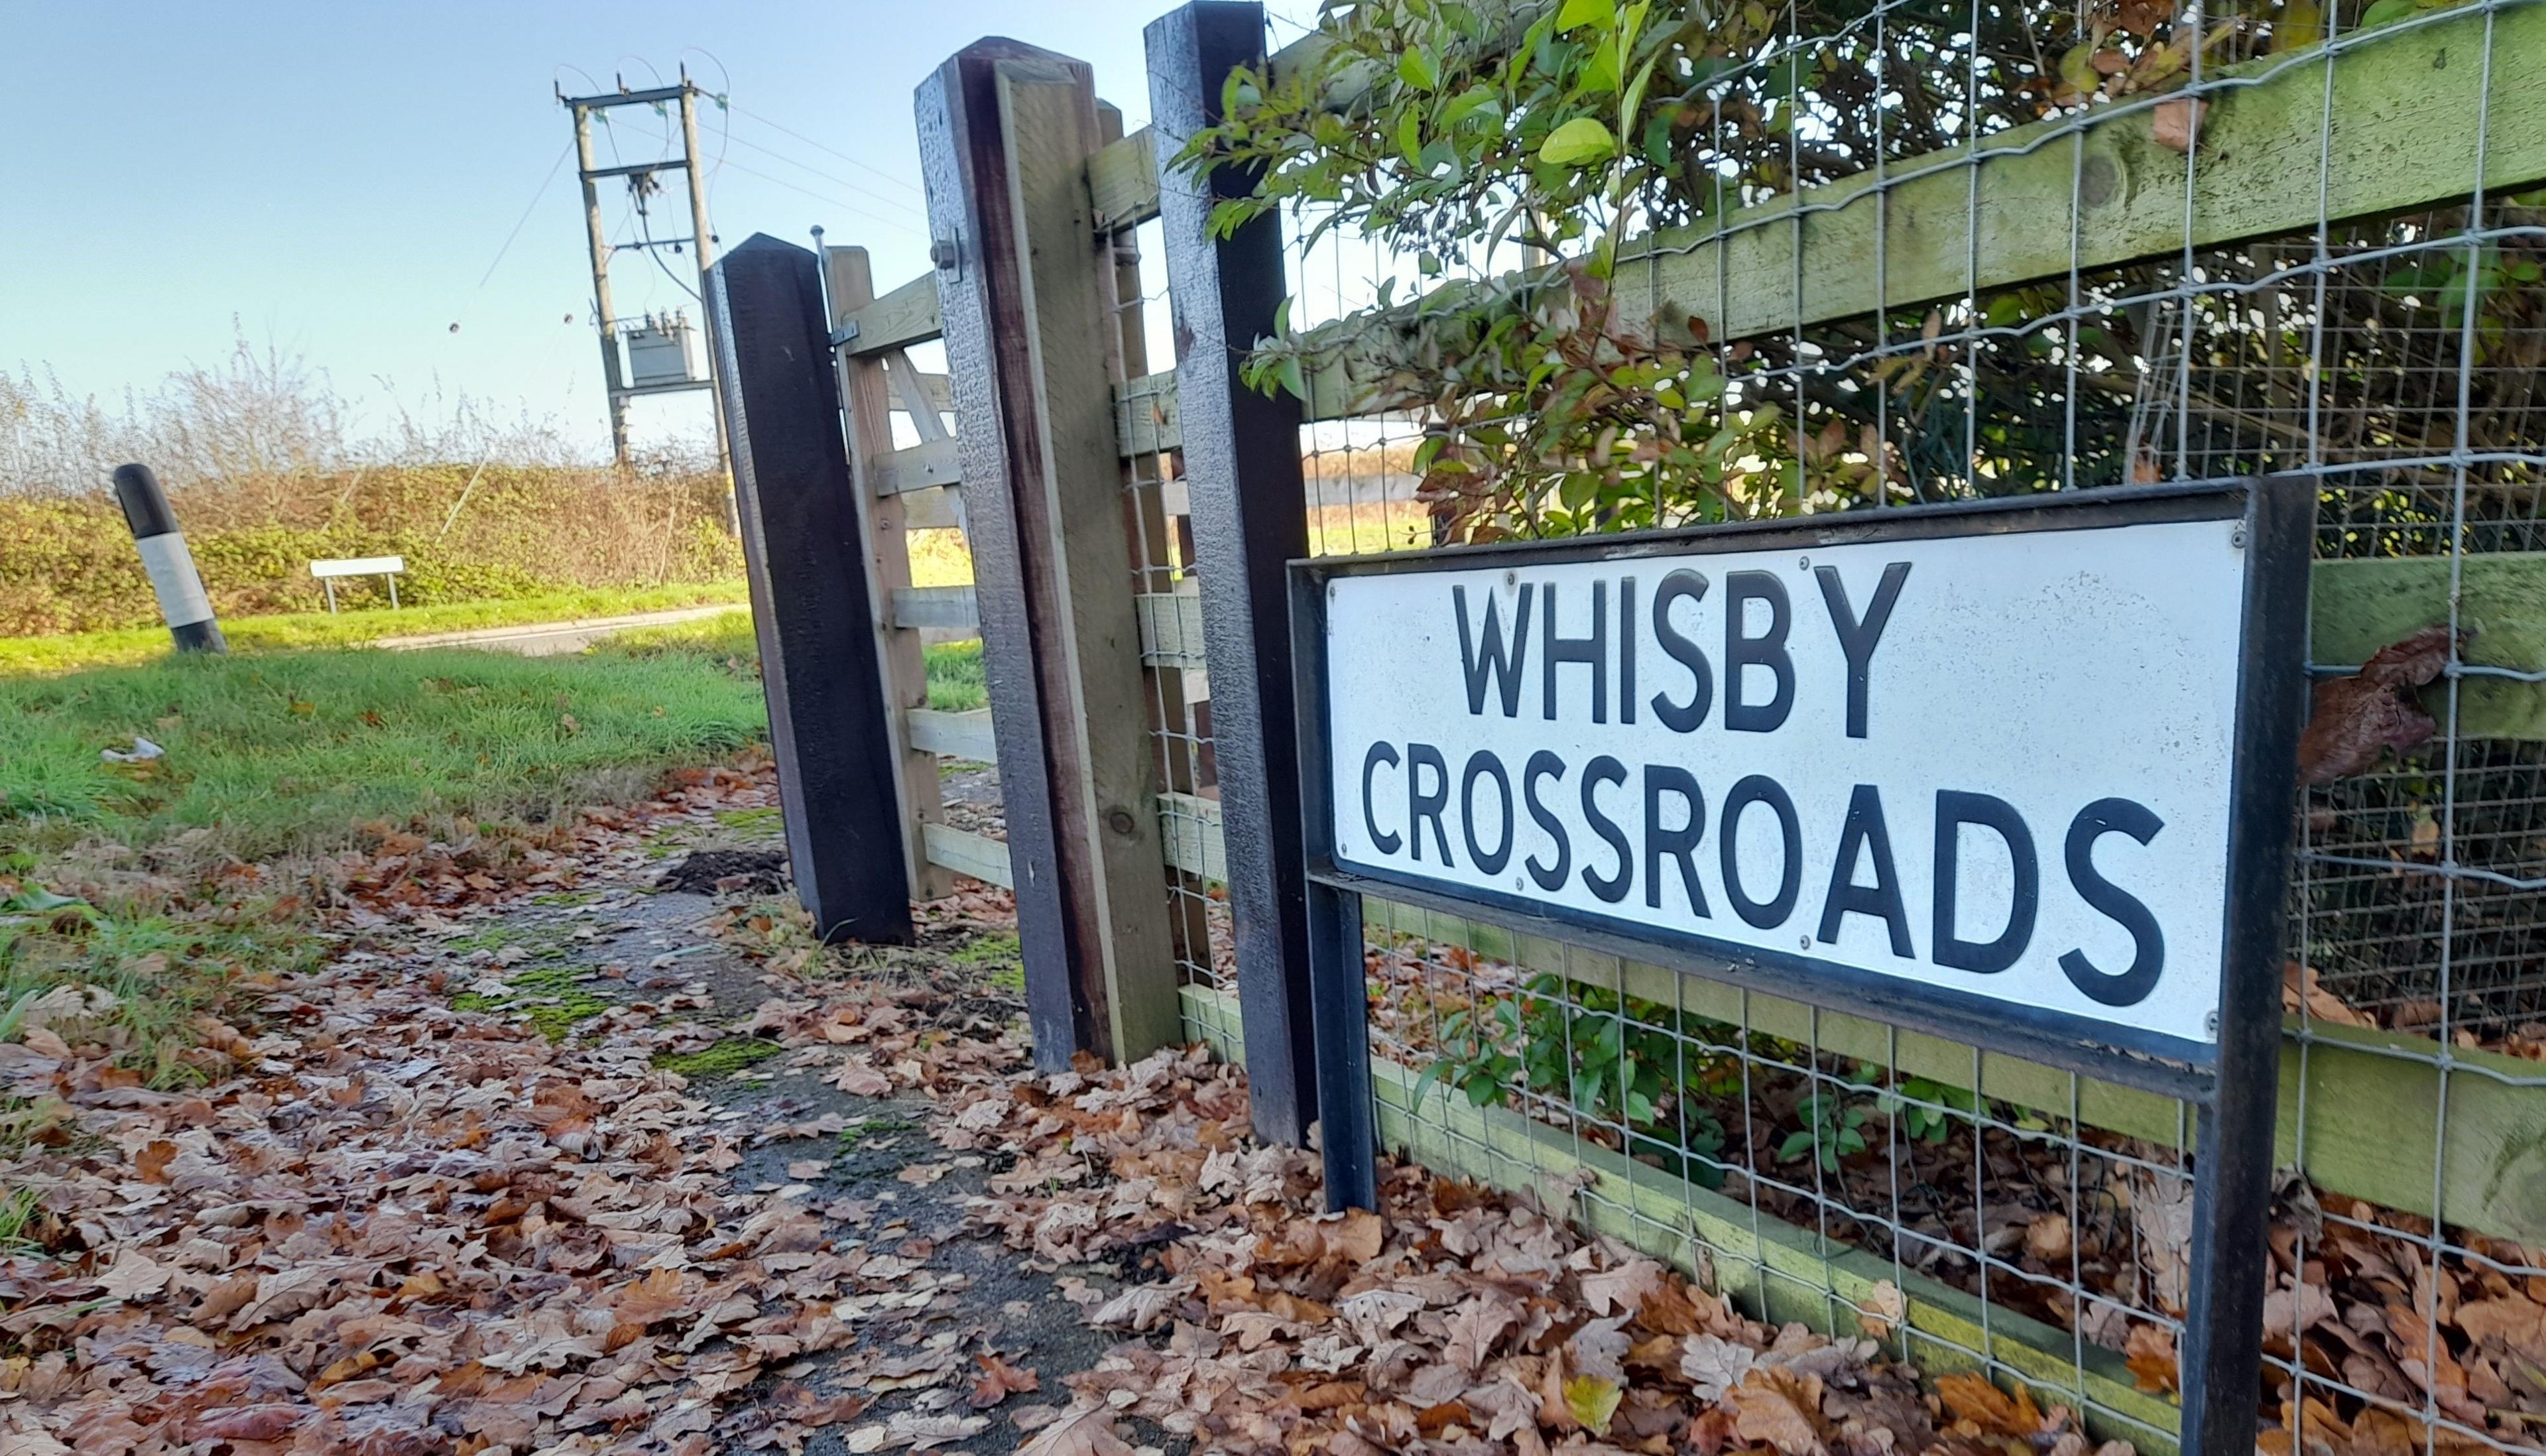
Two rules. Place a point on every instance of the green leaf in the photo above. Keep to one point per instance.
(1474, 100)
(1416, 68)
(1603, 13)
(1293, 380)
(1579, 142)
(2387, 13)
(1657, 139)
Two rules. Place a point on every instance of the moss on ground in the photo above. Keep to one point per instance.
(874, 1127)
(551, 997)
(750, 821)
(723, 1058)
(1002, 955)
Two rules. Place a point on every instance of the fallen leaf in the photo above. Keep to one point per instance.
(1592, 1400)
(2356, 719)
(1715, 1364)
(2300, 991)
(1000, 1380)
(1972, 1398)
(2149, 1351)
(2047, 1238)
(151, 1162)
(1781, 1408)
(1882, 1308)
(1080, 1434)
(859, 1079)
(134, 1275)
(1475, 1325)
(247, 1424)
(2178, 122)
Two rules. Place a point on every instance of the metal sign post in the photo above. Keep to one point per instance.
(1725, 752)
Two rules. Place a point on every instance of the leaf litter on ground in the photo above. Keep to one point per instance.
(398, 1226)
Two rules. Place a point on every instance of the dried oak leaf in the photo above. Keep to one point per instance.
(2511, 1324)
(1000, 1380)
(1079, 1433)
(1782, 1408)
(1715, 1365)
(1971, 1398)
(247, 1424)
(2299, 989)
(151, 1162)
(2150, 1354)
(2355, 719)
(1883, 1307)
(1474, 1326)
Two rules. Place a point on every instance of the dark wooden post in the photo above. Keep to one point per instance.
(1025, 283)
(805, 551)
(1249, 517)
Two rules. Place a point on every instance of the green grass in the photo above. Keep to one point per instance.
(954, 680)
(289, 751)
(287, 754)
(273, 752)
(73, 650)
(17, 1214)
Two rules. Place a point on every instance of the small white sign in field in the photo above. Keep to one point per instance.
(385, 567)
(1995, 763)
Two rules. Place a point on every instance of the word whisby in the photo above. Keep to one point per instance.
(1984, 763)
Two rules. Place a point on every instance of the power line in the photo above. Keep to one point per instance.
(653, 250)
(518, 224)
(901, 224)
(835, 152)
(827, 177)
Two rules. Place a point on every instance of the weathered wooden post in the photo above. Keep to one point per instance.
(1249, 517)
(1026, 287)
(810, 611)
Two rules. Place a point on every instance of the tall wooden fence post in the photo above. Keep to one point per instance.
(1249, 517)
(810, 611)
(1026, 287)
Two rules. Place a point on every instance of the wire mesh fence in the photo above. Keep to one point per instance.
(1916, 251)
(1158, 517)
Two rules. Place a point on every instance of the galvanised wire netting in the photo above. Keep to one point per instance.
(1964, 1209)
(1158, 520)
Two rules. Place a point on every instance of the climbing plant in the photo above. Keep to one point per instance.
(1584, 134)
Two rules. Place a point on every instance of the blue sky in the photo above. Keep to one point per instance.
(339, 178)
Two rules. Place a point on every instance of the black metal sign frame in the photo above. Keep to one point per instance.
(2233, 1083)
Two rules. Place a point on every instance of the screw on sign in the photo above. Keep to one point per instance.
(2017, 774)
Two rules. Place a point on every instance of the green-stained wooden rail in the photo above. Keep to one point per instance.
(2276, 155)
(2371, 1100)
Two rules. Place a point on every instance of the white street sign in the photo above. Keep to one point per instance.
(1994, 763)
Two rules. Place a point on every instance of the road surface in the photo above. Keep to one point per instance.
(550, 638)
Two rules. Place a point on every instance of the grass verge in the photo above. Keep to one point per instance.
(161, 884)
(70, 651)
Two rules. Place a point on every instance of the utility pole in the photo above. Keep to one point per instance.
(607, 318)
(630, 377)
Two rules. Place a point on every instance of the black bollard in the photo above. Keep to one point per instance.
(187, 612)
